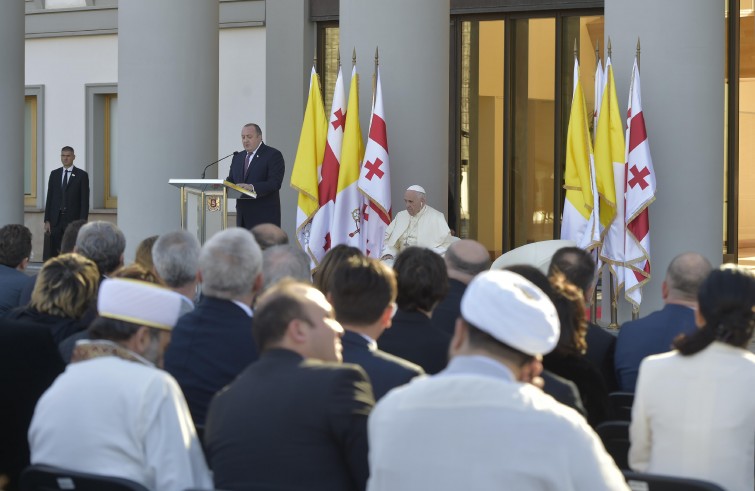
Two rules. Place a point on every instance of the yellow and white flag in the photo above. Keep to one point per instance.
(309, 154)
(576, 224)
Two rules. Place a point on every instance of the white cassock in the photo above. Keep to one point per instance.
(115, 417)
(473, 426)
(428, 228)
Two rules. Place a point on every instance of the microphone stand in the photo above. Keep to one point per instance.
(213, 163)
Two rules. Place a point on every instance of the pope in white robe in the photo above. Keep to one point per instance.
(418, 225)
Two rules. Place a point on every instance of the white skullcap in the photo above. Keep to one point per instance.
(138, 302)
(416, 187)
(512, 310)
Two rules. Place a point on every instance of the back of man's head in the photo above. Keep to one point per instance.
(68, 242)
(15, 245)
(175, 256)
(685, 274)
(465, 259)
(275, 309)
(269, 235)
(577, 266)
(422, 279)
(284, 261)
(230, 263)
(103, 243)
(361, 290)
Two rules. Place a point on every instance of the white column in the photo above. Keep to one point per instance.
(413, 38)
(682, 66)
(12, 114)
(290, 50)
(168, 104)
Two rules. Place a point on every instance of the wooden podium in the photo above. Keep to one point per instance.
(204, 204)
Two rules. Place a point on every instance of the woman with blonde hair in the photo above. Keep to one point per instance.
(65, 288)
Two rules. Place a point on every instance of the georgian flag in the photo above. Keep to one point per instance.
(375, 180)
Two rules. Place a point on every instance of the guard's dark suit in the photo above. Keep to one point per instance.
(65, 204)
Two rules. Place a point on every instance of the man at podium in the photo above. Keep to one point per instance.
(258, 168)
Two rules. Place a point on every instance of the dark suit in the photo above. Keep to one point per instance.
(266, 175)
(290, 423)
(64, 206)
(209, 347)
(29, 363)
(385, 370)
(650, 335)
(601, 346)
(563, 390)
(13, 283)
(413, 337)
(587, 378)
(449, 309)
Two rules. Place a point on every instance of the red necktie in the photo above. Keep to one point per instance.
(246, 164)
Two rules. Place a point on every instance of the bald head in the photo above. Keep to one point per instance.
(268, 235)
(684, 276)
(465, 259)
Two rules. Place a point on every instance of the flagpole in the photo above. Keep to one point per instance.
(636, 308)
(614, 294)
(374, 76)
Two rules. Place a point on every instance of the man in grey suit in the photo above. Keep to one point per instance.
(67, 199)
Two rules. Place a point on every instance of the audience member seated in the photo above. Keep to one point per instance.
(655, 333)
(175, 256)
(480, 424)
(269, 235)
(133, 271)
(71, 233)
(15, 251)
(561, 389)
(323, 273)
(65, 290)
(112, 412)
(422, 283)
(213, 343)
(694, 409)
(363, 294)
(578, 267)
(568, 358)
(464, 259)
(144, 252)
(297, 418)
(29, 363)
(103, 243)
(284, 261)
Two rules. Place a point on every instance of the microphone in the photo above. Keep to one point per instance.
(213, 163)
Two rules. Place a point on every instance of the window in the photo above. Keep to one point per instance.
(102, 144)
(513, 95)
(328, 39)
(33, 145)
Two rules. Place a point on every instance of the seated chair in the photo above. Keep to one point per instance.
(621, 405)
(48, 478)
(615, 437)
(654, 482)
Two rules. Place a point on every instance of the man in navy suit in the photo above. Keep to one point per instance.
(655, 333)
(258, 168)
(67, 199)
(213, 343)
(363, 294)
(296, 419)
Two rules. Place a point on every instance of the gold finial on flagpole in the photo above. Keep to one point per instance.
(597, 52)
(575, 49)
(638, 53)
(609, 47)
(377, 57)
(338, 56)
(354, 56)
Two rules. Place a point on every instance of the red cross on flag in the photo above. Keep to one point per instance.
(640, 193)
(319, 236)
(375, 180)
